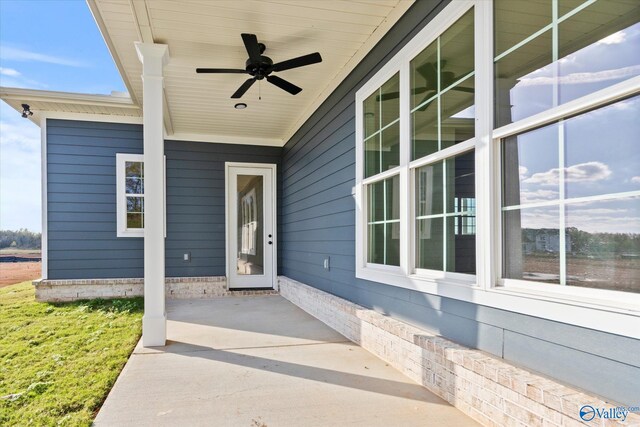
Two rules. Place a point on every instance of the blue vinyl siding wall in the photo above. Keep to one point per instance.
(81, 176)
(318, 221)
(81, 198)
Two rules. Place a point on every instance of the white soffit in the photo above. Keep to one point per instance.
(71, 105)
(207, 34)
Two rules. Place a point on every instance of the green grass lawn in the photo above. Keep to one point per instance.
(59, 361)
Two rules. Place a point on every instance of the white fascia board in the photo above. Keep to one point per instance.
(26, 95)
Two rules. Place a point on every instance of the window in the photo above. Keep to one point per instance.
(570, 206)
(130, 195)
(249, 223)
(497, 160)
(130, 186)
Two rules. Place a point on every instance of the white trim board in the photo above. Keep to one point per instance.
(44, 242)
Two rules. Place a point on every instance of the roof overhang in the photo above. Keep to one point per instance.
(72, 105)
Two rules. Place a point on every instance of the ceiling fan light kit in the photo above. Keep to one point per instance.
(260, 67)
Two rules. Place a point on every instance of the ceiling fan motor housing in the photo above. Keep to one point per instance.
(259, 69)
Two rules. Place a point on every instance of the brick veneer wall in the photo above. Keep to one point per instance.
(175, 288)
(484, 387)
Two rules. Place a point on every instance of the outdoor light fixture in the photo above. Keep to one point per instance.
(240, 106)
(26, 112)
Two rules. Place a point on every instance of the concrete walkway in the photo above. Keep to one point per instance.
(262, 362)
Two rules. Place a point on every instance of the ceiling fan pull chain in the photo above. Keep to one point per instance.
(259, 91)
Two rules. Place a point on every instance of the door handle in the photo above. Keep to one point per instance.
(270, 242)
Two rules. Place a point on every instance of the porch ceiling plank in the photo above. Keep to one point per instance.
(202, 33)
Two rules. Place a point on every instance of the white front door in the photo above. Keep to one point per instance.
(251, 225)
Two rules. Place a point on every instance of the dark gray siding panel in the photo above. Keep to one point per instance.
(81, 177)
(195, 202)
(318, 217)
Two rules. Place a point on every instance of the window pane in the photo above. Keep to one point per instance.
(390, 95)
(515, 20)
(135, 204)
(382, 148)
(531, 244)
(390, 151)
(461, 244)
(371, 114)
(372, 156)
(456, 51)
(424, 135)
(134, 185)
(524, 81)
(133, 169)
(530, 167)
(384, 221)
(429, 190)
(424, 75)
(599, 47)
(135, 220)
(603, 244)
(429, 243)
(461, 183)
(601, 150)
(458, 114)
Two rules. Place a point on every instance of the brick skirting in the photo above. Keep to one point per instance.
(175, 288)
(486, 388)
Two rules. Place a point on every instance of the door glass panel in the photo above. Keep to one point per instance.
(250, 257)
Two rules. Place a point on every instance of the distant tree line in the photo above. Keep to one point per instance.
(599, 244)
(21, 239)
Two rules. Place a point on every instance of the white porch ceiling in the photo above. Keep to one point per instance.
(207, 34)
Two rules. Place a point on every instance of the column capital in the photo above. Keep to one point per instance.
(153, 57)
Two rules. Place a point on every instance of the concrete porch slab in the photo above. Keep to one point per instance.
(262, 361)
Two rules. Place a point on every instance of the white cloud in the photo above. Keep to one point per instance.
(9, 72)
(583, 172)
(19, 171)
(9, 53)
(527, 196)
(522, 171)
(636, 179)
(614, 38)
(580, 78)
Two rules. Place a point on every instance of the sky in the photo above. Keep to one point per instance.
(46, 45)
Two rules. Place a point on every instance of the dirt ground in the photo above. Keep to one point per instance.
(16, 272)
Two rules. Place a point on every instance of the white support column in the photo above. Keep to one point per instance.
(154, 322)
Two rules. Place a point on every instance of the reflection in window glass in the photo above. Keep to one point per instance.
(134, 191)
(532, 244)
(518, 20)
(442, 106)
(602, 152)
(530, 167)
(381, 121)
(446, 228)
(597, 46)
(384, 222)
(603, 244)
(593, 197)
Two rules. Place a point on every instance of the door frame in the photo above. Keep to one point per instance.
(274, 219)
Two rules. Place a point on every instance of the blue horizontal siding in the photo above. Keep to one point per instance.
(318, 221)
(82, 201)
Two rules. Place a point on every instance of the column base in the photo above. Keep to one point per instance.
(154, 331)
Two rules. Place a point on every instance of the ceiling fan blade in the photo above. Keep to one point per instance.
(245, 87)
(252, 46)
(220, 70)
(284, 85)
(300, 61)
(463, 89)
(396, 95)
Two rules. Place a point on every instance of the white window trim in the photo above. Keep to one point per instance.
(604, 310)
(121, 196)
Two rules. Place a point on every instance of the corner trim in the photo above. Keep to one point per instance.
(44, 240)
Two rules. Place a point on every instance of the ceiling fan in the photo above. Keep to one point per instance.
(261, 67)
(430, 73)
